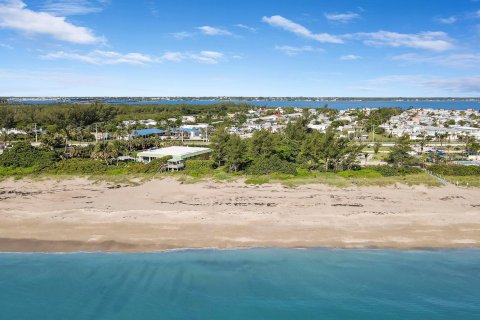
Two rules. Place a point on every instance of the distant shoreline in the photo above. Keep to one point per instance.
(78, 215)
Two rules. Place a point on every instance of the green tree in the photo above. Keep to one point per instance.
(4, 138)
(262, 143)
(54, 141)
(472, 145)
(218, 142)
(311, 150)
(235, 155)
(117, 149)
(400, 152)
(24, 155)
(102, 151)
(329, 151)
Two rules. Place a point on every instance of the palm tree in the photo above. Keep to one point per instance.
(4, 138)
(423, 141)
(117, 149)
(102, 151)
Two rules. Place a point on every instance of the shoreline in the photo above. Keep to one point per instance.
(79, 215)
(27, 246)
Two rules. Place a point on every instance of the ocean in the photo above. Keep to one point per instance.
(242, 284)
(448, 105)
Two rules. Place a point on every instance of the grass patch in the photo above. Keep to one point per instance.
(363, 173)
(365, 178)
(256, 180)
(464, 181)
(17, 172)
(410, 180)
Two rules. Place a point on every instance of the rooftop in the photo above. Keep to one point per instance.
(177, 152)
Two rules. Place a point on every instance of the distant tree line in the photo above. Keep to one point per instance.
(64, 116)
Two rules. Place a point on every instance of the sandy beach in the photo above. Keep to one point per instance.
(81, 215)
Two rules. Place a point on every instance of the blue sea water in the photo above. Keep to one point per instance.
(242, 284)
(448, 105)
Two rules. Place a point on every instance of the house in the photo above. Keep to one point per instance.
(149, 132)
(189, 119)
(179, 155)
(319, 127)
(148, 122)
(192, 133)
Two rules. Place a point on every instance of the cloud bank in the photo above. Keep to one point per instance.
(15, 15)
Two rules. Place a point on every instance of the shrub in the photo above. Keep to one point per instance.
(273, 164)
(392, 171)
(11, 171)
(196, 168)
(257, 180)
(363, 173)
(302, 172)
(24, 155)
(455, 170)
(80, 166)
(151, 167)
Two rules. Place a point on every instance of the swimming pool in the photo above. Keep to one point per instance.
(468, 163)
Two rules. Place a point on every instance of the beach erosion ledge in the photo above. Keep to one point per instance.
(81, 215)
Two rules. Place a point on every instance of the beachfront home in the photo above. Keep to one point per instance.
(178, 153)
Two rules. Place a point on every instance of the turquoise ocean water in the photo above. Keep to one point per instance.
(242, 284)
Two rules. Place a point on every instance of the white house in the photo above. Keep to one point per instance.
(189, 119)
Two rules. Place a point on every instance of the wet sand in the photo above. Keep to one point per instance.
(80, 215)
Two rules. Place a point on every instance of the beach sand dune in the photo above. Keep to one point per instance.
(80, 215)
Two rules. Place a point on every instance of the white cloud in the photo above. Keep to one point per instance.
(173, 56)
(350, 57)
(205, 56)
(72, 7)
(429, 40)
(209, 57)
(459, 60)
(182, 35)
(342, 17)
(242, 26)
(288, 25)
(293, 51)
(15, 15)
(99, 57)
(447, 20)
(213, 31)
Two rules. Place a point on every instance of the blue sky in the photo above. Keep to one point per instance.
(239, 48)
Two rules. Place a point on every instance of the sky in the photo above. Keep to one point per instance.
(316, 48)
